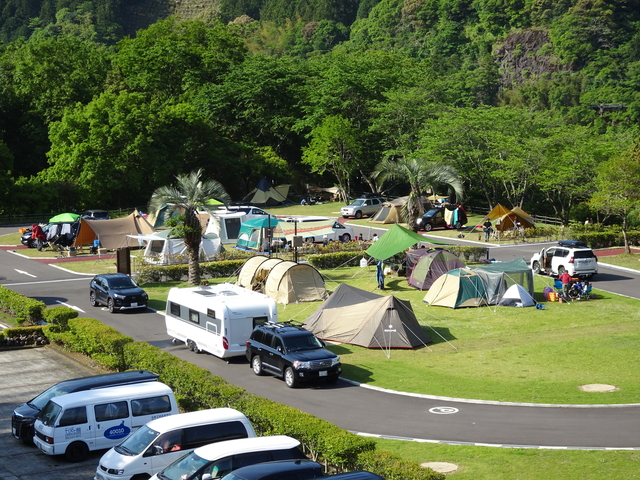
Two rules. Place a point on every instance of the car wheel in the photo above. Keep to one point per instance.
(536, 267)
(561, 270)
(428, 227)
(92, 299)
(458, 226)
(333, 378)
(310, 239)
(76, 452)
(111, 306)
(290, 378)
(358, 215)
(256, 365)
(346, 237)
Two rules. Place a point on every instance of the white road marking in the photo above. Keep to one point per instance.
(70, 306)
(24, 273)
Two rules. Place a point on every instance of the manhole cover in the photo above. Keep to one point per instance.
(440, 467)
(599, 387)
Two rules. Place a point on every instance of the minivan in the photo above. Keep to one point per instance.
(76, 423)
(25, 415)
(160, 442)
(219, 459)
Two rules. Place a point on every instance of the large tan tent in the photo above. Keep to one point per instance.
(390, 212)
(284, 281)
(291, 282)
(248, 270)
(114, 233)
(358, 317)
(457, 288)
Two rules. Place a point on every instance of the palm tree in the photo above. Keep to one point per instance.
(188, 196)
(421, 175)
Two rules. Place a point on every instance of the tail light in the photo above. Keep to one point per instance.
(225, 343)
(571, 260)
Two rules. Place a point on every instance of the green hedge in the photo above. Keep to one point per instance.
(102, 343)
(335, 260)
(22, 336)
(20, 306)
(221, 269)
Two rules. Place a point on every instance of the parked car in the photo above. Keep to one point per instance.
(117, 291)
(362, 206)
(575, 259)
(25, 415)
(308, 228)
(284, 469)
(434, 218)
(291, 352)
(96, 215)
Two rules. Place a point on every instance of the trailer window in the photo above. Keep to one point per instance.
(259, 321)
(194, 316)
(175, 309)
(214, 326)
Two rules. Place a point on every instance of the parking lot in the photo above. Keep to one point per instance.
(24, 373)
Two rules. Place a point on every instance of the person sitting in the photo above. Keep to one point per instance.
(38, 236)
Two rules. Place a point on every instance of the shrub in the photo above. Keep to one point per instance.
(58, 317)
(20, 306)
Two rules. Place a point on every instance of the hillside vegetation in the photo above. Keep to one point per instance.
(101, 102)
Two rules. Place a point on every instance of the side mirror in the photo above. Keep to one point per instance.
(157, 450)
(278, 348)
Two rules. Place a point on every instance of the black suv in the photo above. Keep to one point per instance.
(291, 352)
(117, 291)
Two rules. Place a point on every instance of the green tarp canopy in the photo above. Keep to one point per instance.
(64, 218)
(396, 240)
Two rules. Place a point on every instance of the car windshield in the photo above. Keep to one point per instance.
(138, 442)
(49, 413)
(183, 468)
(121, 282)
(431, 213)
(357, 203)
(302, 342)
(42, 399)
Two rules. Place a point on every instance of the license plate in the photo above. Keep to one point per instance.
(134, 304)
(323, 373)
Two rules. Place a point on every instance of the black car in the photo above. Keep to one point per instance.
(25, 415)
(279, 470)
(291, 352)
(435, 218)
(117, 291)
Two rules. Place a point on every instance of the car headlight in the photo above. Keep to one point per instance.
(118, 296)
(298, 365)
(335, 361)
(419, 221)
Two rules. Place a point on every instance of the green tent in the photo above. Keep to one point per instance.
(252, 233)
(396, 240)
(64, 218)
(457, 288)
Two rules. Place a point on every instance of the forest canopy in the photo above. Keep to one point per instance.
(101, 102)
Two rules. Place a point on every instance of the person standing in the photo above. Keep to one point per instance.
(488, 227)
(566, 279)
(380, 274)
(38, 236)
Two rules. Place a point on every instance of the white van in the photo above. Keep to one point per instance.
(75, 423)
(160, 442)
(217, 319)
(313, 229)
(215, 461)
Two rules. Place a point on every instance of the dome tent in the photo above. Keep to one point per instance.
(457, 288)
(516, 296)
(430, 266)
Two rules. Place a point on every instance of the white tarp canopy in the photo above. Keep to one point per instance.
(160, 249)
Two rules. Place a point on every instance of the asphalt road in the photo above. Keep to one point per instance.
(362, 409)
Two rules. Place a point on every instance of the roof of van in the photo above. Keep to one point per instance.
(213, 415)
(107, 379)
(139, 390)
(244, 445)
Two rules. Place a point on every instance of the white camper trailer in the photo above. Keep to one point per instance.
(226, 225)
(217, 319)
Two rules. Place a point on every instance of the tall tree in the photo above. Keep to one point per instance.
(334, 147)
(422, 176)
(618, 187)
(189, 195)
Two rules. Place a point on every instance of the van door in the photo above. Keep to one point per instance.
(113, 423)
